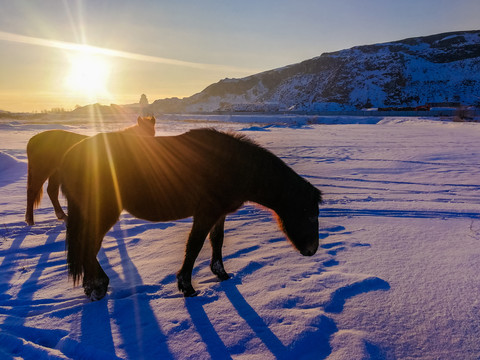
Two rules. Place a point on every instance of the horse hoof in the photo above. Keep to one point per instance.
(218, 270)
(29, 220)
(223, 276)
(191, 293)
(62, 217)
(185, 286)
(97, 295)
(96, 290)
(188, 291)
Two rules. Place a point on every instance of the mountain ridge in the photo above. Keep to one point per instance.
(410, 72)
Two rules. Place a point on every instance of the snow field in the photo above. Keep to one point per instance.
(396, 275)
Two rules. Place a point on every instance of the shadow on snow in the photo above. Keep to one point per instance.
(139, 330)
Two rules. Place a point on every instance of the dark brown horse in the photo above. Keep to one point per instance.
(45, 152)
(202, 173)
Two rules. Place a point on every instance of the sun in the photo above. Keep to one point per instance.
(88, 75)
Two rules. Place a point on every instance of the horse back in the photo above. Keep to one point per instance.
(157, 178)
(46, 149)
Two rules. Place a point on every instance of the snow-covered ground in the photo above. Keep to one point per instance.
(397, 275)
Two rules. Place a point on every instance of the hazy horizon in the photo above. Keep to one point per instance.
(67, 53)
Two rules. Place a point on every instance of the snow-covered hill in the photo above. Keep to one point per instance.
(432, 69)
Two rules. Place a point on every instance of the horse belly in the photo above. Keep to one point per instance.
(156, 207)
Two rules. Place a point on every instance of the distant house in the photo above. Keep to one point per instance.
(447, 104)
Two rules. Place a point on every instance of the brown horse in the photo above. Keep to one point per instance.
(45, 152)
(202, 173)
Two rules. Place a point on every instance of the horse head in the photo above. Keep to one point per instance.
(147, 125)
(299, 221)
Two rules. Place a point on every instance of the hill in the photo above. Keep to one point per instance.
(431, 69)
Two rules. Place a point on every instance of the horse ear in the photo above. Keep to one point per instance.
(139, 120)
(152, 119)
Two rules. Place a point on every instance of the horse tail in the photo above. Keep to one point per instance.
(73, 243)
(37, 194)
(79, 243)
(34, 190)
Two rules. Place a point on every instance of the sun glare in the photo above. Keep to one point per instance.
(88, 75)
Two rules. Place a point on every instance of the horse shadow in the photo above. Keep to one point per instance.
(311, 343)
(97, 320)
(206, 330)
(140, 332)
(314, 344)
(20, 306)
(9, 262)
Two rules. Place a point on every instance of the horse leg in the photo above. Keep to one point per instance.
(95, 281)
(200, 229)
(216, 239)
(31, 194)
(52, 190)
(34, 193)
(84, 239)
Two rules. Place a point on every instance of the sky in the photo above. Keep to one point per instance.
(67, 53)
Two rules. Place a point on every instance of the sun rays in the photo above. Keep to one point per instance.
(88, 75)
(94, 50)
(78, 73)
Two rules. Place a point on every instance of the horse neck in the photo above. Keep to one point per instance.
(273, 188)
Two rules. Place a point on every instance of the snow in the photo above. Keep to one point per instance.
(396, 275)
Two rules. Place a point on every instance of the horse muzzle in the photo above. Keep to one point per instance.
(309, 250)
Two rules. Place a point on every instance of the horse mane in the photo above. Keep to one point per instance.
(254, 150)
(228, 134)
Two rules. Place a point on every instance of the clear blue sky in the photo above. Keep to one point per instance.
(210, 40)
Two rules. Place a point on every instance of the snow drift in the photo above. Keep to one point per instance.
(10, 168)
